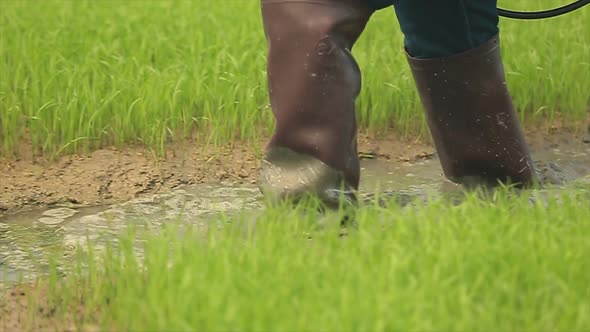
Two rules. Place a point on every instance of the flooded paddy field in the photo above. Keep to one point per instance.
(535, 238)
(44, 249)
(213, 255)
(27, 239)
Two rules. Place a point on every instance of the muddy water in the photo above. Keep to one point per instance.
(27, 240)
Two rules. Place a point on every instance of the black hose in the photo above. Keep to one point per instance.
(544, 13)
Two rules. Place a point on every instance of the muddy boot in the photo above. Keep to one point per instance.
(471, 117)
(313, 82)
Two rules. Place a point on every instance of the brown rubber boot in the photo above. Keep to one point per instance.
(471, 117)
(313, 82)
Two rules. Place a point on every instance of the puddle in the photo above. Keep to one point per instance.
(28, 239)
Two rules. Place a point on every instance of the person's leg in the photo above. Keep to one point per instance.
(434, 29)
(379, 4)
(313, 81)
(453, 50)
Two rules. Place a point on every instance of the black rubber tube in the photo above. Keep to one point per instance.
(544, 13)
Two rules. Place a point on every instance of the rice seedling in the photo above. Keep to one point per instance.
(501, 263)
(79, 75)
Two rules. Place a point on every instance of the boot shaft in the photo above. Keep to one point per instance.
(471, 117)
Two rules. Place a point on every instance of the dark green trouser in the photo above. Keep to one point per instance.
(438, 28)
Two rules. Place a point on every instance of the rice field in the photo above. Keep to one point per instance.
(79, 75)
(498, 263)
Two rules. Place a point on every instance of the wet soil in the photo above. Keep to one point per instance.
(115, 175)
(16, 311)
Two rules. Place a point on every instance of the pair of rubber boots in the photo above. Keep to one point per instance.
(314, 81)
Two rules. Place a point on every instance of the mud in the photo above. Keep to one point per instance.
(112, 175)
(16, 310)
